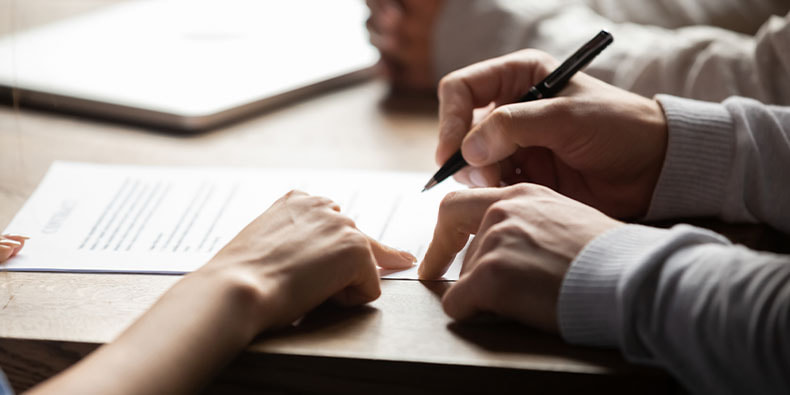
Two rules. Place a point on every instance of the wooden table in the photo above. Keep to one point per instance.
(403, 341)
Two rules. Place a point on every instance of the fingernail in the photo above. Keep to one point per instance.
(475, 148)
(477, 178)
(421, 271)
(15, 237)
(10, 243)
(408, 256)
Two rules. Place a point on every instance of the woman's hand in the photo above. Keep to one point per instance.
(299, 253)
(596, 143)
(10, 245)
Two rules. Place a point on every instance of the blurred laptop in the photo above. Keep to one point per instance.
(188, 65)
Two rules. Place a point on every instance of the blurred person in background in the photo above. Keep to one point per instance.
(701, 49)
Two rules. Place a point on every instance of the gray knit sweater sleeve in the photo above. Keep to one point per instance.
(729, 160)
(717, 316)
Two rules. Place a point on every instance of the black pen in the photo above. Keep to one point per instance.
(549, 87)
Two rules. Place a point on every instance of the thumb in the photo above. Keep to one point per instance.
(543, 123)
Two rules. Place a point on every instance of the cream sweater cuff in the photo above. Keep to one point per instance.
(699, 158)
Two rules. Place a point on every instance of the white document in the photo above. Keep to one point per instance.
(143, 219)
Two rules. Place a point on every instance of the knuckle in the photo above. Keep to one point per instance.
(450, 200)
(540, 63)
(521, 189)
(544, 57)
(346, 222)
(493, 270)
(524, 189)
(295, 193)
(508, 235)
(293, 196)
(501, 119)
(455, 84)
(498, 235)
(448, 82)
(542, 69)
(507, 230)
(352, 240)
(498, 211)
(520, 57)
(446, 85)
(287, 198)
(545, 62)
(320, 201)
(336, 223)
(542, 191)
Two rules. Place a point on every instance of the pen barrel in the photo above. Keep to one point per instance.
(558, 79)
(535, 93)
(455, 163)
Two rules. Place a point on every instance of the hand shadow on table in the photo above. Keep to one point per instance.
(500, 335)
(328, 318)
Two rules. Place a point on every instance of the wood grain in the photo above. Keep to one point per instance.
(401, 342)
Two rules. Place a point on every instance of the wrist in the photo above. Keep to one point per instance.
(594, 230)
(655, 122)
(232, 296)
(193, 330)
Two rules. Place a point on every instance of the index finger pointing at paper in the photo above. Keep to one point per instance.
(460, 215)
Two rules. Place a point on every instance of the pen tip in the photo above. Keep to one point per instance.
(430, 184)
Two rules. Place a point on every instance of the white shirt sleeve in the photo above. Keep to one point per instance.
(743, 16)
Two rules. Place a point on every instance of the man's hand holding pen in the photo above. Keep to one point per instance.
(596, 152)
(596, 143)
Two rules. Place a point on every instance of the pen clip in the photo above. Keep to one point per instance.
(579, 59)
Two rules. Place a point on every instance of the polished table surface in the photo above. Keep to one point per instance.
(402, 341)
